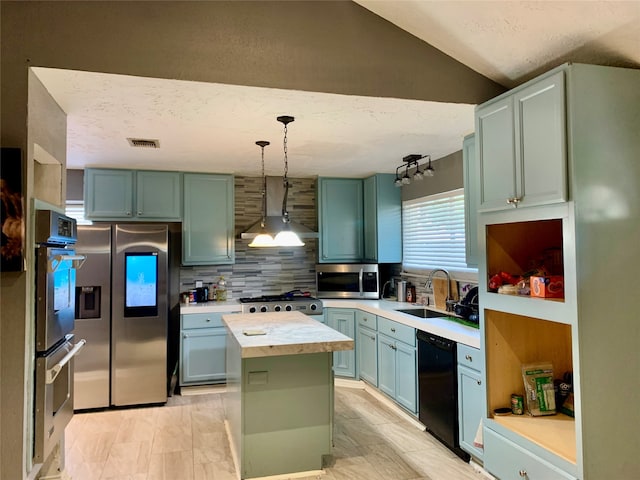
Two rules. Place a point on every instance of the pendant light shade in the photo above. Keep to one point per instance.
(263, 239)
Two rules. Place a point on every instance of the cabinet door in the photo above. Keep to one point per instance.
(406, 376)
(108, 194)
(340, 220)
(203, 356)
(387, 365)
(382, 219)
(541, 150)
(367, 348)
(343, 320)
(471, 189)
(158, 195)
(496, 154)
(470, 408)
(208, 223)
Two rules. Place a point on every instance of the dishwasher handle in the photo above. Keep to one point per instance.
(435, 340)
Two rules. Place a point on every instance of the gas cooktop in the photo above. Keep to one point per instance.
(294, 301)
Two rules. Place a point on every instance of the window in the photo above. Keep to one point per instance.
(433, 233)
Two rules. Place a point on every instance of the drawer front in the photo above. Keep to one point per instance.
(201, 320)
(508, 461)
(469, 357)
(368, 320)
(397, 331)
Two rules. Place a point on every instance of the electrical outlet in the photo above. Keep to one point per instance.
(198, 283)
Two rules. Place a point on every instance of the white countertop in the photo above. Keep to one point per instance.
(387, 308)
(283, 333)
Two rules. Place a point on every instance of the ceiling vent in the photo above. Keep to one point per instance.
(143, 143)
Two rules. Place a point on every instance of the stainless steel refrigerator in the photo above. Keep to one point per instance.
(122, 312)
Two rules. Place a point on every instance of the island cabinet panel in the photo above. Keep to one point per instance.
(203, 341)
(582, 242)
(340, 220)
(208, 220)
(367, 354)
(287, 413)
(343, 320)
(471, 398)
(522, 146)
(133, 195)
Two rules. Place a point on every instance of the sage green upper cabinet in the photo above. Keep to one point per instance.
(340, 220)
(208, 222)
(158, 195)
(522, 146)
(112, 194)
(471, 188)
(382, 220)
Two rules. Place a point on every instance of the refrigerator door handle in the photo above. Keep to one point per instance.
(53, 372)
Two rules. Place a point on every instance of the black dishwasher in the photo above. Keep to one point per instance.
(438, 389)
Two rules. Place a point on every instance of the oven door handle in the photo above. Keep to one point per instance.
(56, 261)
(53, 372)
(360, 282)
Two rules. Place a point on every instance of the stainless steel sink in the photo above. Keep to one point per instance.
(423, 313)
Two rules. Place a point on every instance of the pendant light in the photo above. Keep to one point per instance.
(263, 239)
(286, 237)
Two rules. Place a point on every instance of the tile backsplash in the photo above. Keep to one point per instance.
(267, 271)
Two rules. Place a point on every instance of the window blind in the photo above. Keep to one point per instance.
(433, 232)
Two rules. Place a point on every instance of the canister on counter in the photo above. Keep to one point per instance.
(192, 296)
(517, 404)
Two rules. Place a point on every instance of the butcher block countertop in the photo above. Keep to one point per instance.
(283, 333)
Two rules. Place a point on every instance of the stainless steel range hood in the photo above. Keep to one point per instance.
(273, 221)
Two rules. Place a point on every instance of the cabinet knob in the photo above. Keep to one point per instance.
(128, 214)
(208, 320)
(479, 382)
(468, 357)
(393, 347)
(393, 330)
(139, 212)
(514, 201)
(522, 473)
(185, 336)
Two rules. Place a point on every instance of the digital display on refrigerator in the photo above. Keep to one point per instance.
(141, 284)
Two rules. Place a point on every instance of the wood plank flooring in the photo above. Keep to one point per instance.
(186, 440)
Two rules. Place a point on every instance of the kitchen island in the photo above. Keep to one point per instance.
(279, 401)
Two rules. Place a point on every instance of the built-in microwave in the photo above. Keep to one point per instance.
(347, 281)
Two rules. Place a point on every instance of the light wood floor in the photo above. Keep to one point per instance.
(186, 440)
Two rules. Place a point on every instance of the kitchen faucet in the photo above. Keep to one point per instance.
(428, 284)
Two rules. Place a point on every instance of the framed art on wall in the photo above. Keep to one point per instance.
(12, 246)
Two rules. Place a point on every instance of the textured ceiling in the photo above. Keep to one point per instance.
(336, 135)
(513, 41)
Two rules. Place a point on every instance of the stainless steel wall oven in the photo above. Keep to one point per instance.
(56, 263)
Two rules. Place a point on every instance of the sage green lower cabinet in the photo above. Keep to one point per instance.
(203, 341)
(471, 398)
(208, 222)
(367, 347)
(279, 411)
(343, 320)
(397, 365)
(509, 461)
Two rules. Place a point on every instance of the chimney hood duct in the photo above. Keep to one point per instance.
(273, 221)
